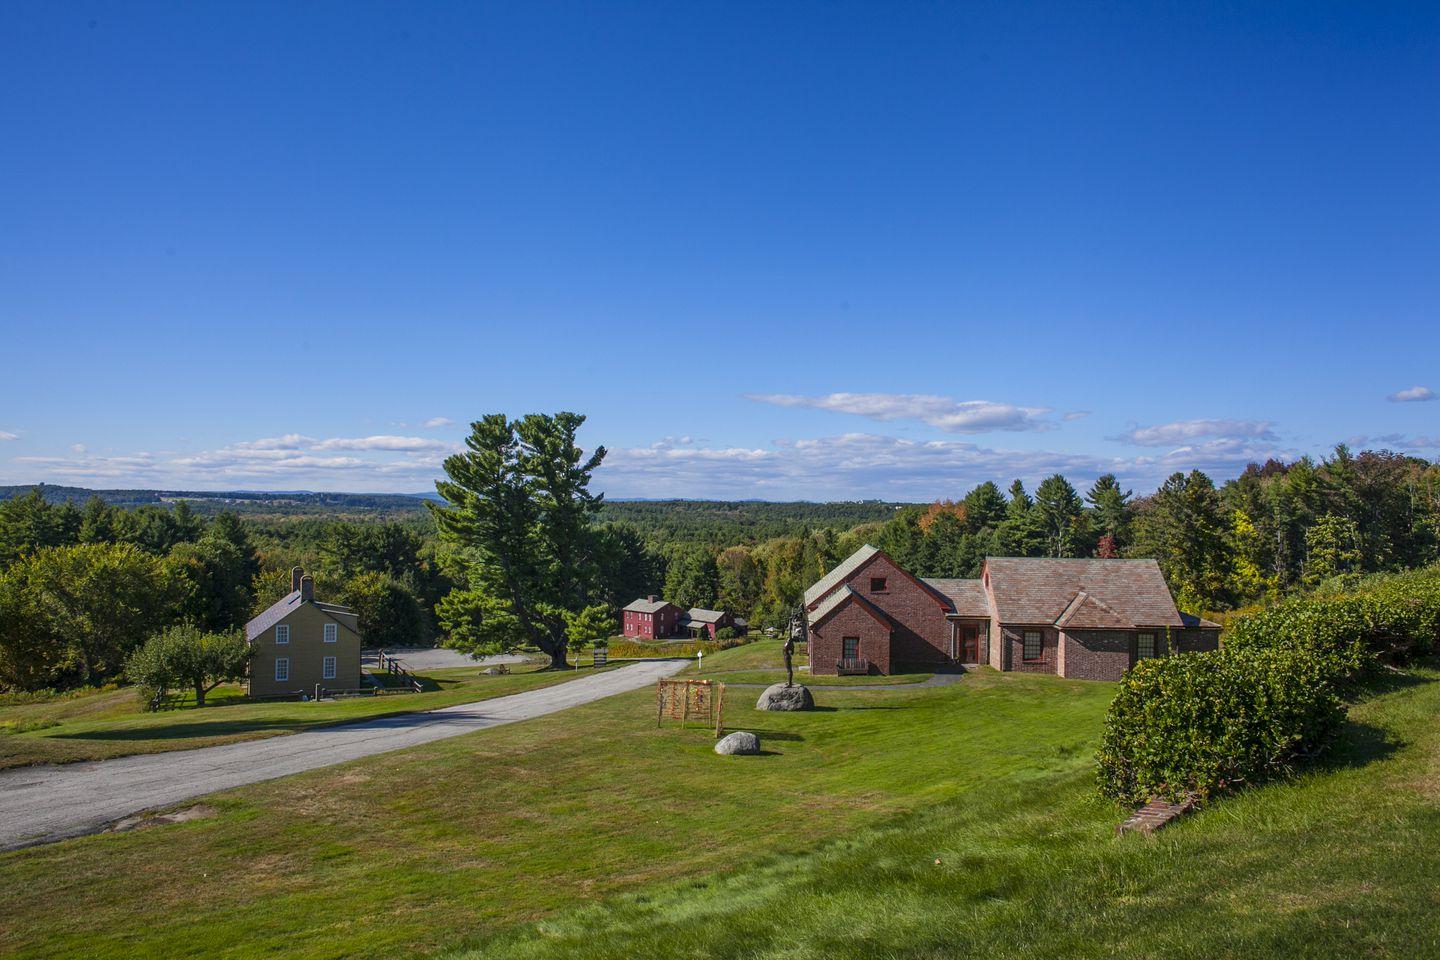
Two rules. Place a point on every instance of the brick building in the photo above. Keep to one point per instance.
(1091, 619)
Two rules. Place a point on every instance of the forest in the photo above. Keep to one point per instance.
(82, 584)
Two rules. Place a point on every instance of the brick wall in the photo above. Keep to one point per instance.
(1099, 654)
(922, 632)
(1012, 640)
(1197, 640)
(851, 620)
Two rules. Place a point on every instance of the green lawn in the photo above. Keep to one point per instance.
(114, 723)
(909, 822)
(763, 662)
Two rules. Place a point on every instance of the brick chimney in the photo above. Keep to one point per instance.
(295, 574)
(651, 598)
(307, 588)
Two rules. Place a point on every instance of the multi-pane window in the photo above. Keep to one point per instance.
(328, 671)
(282, 633)
(850, 648)
(282, 668)
(1034, 647)
(332, 632)
(1144, 646)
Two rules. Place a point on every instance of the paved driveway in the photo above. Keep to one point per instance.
(420, 659)
(40, 804)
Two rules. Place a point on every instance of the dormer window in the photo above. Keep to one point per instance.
(877, 584)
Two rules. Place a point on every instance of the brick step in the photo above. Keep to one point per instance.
(1154, 815)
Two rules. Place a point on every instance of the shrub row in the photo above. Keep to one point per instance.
(1201, 724)
(1392, 618)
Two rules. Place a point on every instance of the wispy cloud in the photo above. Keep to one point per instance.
(944, 413)
(863, 465)
(294, 441)
(1076, 415)
(1415, 394)
(1184, 431)
(379, 463)
(7, 435)
(438, 422)
(1396, 441)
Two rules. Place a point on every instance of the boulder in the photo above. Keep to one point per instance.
(781, 697)
(737, 744)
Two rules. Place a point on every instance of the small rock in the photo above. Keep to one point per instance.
(781, 697)
(739, 743)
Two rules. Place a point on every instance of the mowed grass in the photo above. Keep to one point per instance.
(115, 723)
(914, 822)
(1342, 861)
(467, 838)
(763, 662)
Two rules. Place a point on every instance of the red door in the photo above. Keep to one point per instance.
(969, 644)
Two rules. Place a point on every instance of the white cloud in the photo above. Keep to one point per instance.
(1182, 431)
(1396, 441)
(7, 435)
(1076, 415)
(294, 441)
(78, 447)
(438, 422)
(1415, 394)
(944, 413)
(861, 465)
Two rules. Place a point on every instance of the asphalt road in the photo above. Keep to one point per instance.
(420, 659)
(41, 804)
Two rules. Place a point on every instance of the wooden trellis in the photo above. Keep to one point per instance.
(687, 700)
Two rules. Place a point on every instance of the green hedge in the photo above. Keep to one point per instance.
(1200, 724)
(1272, 695)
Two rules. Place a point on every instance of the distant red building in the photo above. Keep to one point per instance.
(651, 619)
(655, 619)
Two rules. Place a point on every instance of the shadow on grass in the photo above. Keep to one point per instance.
(1360, 745)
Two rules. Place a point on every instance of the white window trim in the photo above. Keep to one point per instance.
(327, 669)
(332, 633)
(282, 662)
(282, 633)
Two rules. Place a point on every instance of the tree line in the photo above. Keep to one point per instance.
(520, 552)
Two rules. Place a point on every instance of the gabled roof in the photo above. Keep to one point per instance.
(841, 573)
(647, 606)
(966, 596)
(699, 615)
(1041, 590)
(837, 599)
(1087, 613)
(287, 605)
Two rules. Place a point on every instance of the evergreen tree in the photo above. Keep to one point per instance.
(1111, 509)
(1061, 516)
(519, 518)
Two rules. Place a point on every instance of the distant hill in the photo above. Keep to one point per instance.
(705, 520)
(266, 501)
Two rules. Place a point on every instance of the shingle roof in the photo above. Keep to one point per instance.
(831, 603)
(840, 574)
(646, 606)
(283, 607)
(1039, 590)
(1193, 621)
(699, 615)
(1087, 613)
(272, 614)
(966, 596)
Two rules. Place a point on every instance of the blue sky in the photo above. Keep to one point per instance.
(821, 251)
